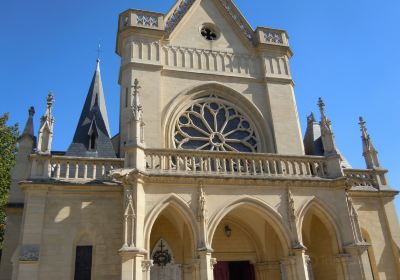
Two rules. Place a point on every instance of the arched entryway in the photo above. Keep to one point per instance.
(172, 245)
(320, 238)
(248, 244)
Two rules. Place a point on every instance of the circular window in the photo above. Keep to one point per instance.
(209, 32)
(216, 125)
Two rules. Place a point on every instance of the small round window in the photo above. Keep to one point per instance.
(209, 32)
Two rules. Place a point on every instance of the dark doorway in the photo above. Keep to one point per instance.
(234, 271)
(83, 263)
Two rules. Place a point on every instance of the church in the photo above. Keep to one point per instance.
(209, 176)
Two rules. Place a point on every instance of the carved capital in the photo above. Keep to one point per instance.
(146, 265)
(213, 262)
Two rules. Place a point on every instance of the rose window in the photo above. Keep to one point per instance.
(216, 125)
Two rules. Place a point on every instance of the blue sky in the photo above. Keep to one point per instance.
(345, 51)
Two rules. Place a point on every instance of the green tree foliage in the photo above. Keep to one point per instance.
(8, 149)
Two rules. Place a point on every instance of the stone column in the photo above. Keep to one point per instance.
(358, 265)
(195, 269)
(32, 231)
(260, 269)
(206, 265)
(288, 268)
(146, 267)
(341, 266)
(301, 264)
(132, 252)
(132, 263)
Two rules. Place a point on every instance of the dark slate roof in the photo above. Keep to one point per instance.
(313, 141)
(93, 119)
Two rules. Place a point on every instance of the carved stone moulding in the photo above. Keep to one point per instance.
(29, 253)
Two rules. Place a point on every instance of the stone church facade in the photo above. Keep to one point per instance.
(209, 176)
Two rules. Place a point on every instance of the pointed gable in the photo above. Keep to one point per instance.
(185, 20)
(92, 135)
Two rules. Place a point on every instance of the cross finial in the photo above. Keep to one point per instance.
(31, 111)
(50, 99)
(98, 52)
(362, 124)
(321, 105)
(324, 118)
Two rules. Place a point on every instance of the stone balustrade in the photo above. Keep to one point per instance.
(363, 177)
(271, 36)
(202, 163)
(143, 19)
(73, 168)
(184, 162)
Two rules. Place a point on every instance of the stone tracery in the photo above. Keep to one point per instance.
(212, 123)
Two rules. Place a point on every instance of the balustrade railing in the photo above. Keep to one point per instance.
(73, 168)
(361, 177)
(144, 19)
(233, 164)
(202, 163)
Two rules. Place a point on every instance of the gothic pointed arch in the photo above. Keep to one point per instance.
(181, 207)
(321, 236)
(254, 129)
(325, 213)
(260, 207)
(251, 235)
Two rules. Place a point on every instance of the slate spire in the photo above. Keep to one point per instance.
(92, 135)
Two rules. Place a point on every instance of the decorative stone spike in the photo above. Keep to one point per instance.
(369, 152)
(328, 138)
(46, 128)
(28, 130)
(134, 149)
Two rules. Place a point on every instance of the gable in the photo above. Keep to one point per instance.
(231, 37)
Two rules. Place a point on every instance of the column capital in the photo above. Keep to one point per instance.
(342, 258)
(132, 251)
(357, 248)
(205, 250)
(146, 265)
(299, 248)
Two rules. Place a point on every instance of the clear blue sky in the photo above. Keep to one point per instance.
(345, 51)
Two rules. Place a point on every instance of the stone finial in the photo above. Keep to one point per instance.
(50, 99)
(134, 148)
(46, 127)
(49, 107)
(328, 138)
(321, 105)
(136, 105)
(369, 152)
(28, 130)
(31, 111)
(311, 118)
